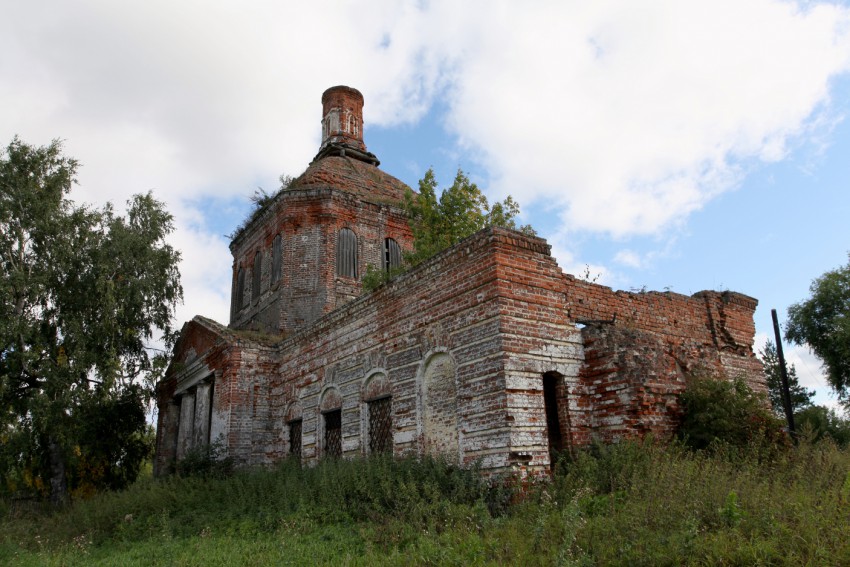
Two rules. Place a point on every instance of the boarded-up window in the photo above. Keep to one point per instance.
(240, 289)
(333, 434)
(380, 426)
(346, 253)
(439, 405)
(295, 438)
(257, 275)
(392, 254)
(277, 254)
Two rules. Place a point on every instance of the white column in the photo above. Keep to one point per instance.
(202, 414)
(187, 424)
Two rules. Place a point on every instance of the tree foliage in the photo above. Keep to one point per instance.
(823, 323)
(458, 212)
(816, 421)
(83, 293)
(719, 410)
(800, 397)
(821, 422)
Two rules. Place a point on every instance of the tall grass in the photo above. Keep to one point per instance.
(627, 504)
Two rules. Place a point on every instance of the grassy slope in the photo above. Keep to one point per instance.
(624, 505)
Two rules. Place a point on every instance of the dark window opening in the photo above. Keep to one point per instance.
(277, 252)
(553, 421)
(295, 438)
(240, 289)
(333, 434)
(392, 254)
(380, 426)
(258, 272)
(346, 254)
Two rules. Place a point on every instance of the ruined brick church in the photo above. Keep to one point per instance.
(485, 353)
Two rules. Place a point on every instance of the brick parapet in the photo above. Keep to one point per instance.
(499, 306)
(396, 328)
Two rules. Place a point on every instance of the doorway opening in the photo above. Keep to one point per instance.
(554, 432)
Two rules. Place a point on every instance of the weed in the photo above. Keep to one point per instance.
(627, 504)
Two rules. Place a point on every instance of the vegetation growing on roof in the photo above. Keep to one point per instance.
(266, 339)
(438, 222)
(260, 201)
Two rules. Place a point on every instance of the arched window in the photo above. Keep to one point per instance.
(392, 254)
(346, 253)
(295, 427)
(295, 422)
(240, 289)
(257, 275)
(276, 259)
(377, 414)
(330, 407)
(333, 434)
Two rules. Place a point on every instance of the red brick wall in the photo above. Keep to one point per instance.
(309, 221)
(504, 314)
(342, 117)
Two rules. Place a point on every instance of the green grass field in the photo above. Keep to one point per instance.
(630, 504)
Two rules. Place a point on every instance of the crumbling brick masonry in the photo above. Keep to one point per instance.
(486, 353)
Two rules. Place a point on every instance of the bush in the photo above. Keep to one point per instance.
(820, 422)
(207, 461)
(605, 469)
(376, 277)
(728, 412)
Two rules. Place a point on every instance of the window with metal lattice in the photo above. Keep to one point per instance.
(380, 426)
(295, 438)
(333, 434)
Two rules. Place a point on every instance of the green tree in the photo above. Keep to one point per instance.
(800, 397)
(823, 323)
(459, 211)
(83, 294)
(718, 410)
(821, 422)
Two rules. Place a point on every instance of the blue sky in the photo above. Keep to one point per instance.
(665, 145)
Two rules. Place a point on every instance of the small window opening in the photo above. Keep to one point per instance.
(240, 289)
(276, 258)
(380, 426)
(333, 434)
(257, 274)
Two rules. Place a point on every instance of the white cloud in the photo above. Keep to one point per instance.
(628, 258)
(810, 371)
(594, 273)
(634, 116)
(628, 117)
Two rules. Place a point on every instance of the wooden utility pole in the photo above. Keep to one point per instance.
(783, 373)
